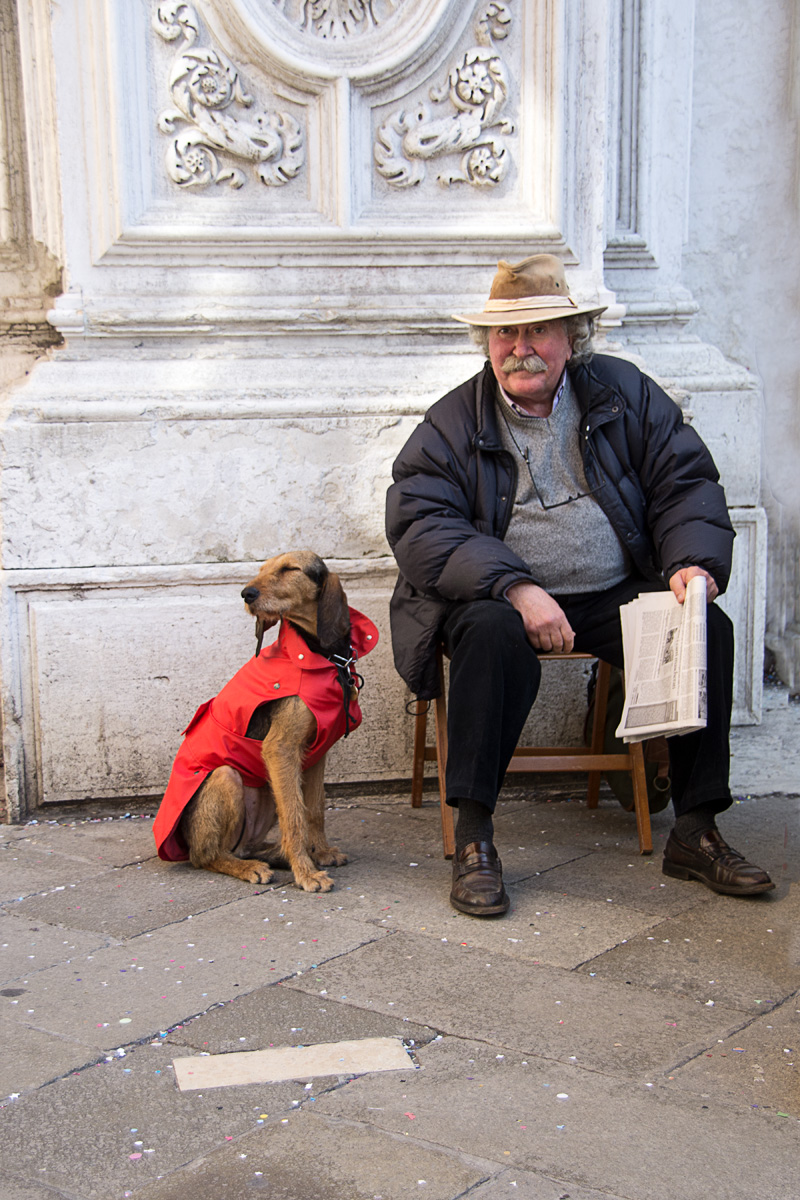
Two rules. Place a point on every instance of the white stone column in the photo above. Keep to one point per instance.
(648, 198)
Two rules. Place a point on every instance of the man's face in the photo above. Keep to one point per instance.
(545, 350)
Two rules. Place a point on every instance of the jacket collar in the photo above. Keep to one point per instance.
(292, 645)
(487, 433)
(598, 400)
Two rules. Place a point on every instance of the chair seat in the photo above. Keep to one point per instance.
(529, 759)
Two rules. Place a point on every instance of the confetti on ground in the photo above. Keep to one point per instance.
(292, 1062)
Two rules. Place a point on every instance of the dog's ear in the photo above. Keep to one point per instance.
(333, 615)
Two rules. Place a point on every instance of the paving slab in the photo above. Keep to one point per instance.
(28, 871)
(32, 1057)
(526, 1185)
(314, 1156)
(123, 993)
(759, 1066)
(16, 1189)
(28, 945)
(281, 1016)
(125, 901)
(633, 880)
(743, 952)
(766, 758)
(12, 833)
(111, 841)
(407, 888)
(539, 1011)
(121, 1124)
(582, 1126)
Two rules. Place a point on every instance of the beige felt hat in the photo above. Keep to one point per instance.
(532, 290)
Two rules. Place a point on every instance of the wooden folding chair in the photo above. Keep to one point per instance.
(592, 759)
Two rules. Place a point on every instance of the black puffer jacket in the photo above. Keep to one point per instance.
(449, 507)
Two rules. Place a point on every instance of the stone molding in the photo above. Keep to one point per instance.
(335, 210)
(744, 602)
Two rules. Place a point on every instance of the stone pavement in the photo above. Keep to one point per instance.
(618, 1034)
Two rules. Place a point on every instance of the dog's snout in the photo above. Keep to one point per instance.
(250, 595)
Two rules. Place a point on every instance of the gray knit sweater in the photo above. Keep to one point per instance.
(571, 547)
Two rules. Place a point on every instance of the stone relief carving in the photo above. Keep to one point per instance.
(336, 19)
(207, 92)
(477, 87)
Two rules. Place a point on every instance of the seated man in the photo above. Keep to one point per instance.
(529, 504)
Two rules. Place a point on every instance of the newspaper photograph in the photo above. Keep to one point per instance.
(664, 644)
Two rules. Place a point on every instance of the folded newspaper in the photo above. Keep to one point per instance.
(665, 664)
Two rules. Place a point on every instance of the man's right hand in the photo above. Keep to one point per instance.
(545, 621)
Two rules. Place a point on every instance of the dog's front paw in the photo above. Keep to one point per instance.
(314, 881)
(331, 856)
(255, 872)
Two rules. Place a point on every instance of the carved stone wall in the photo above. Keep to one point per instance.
(270, 209)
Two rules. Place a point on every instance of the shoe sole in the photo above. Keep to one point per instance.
(489, 910)
(678, 872)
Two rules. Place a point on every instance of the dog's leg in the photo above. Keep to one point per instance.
(322, 852)
(291, 731)
(259, 805)
(212, 823)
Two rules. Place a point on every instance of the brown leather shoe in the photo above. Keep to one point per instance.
(478, 881)
(716, 865)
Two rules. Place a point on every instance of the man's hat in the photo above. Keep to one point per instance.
(532, 290)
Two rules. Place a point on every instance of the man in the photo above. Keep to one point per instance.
(529, 504)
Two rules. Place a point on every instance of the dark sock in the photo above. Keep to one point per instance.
(690, 826)
(474, 824)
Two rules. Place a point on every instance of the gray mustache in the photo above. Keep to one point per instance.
(531, 363)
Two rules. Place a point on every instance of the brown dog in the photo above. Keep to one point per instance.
(261, 743)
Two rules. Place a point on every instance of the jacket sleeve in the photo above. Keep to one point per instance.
(442, 547)
(685, 507)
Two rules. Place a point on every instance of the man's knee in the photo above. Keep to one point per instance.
(492, 623)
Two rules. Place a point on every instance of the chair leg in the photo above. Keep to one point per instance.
(418, 760)
(640, 798)
(598, 728)
(440, 721)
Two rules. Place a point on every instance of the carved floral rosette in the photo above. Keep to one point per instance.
(207, 120)
(336, 20)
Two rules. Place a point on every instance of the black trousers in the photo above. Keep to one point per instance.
(495, 675)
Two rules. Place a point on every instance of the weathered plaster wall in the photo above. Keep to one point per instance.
(742, 255)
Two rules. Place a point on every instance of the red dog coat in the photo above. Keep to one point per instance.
(215, 736)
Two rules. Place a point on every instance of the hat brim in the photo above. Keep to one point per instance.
(528, 316)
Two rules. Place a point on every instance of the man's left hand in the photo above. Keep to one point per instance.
(680, 579)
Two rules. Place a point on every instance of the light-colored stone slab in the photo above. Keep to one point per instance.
(290, 1062)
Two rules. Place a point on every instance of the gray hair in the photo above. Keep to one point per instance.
(579, 330)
